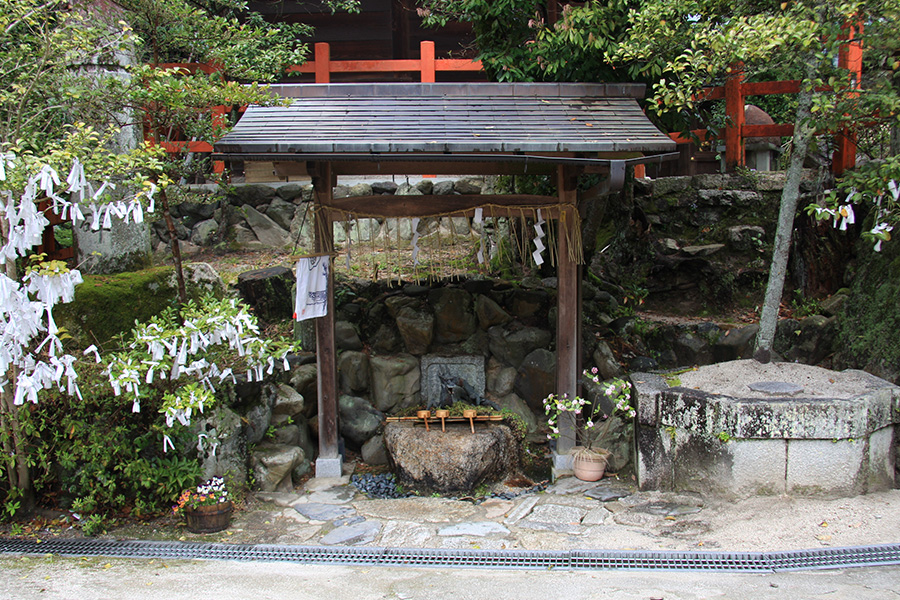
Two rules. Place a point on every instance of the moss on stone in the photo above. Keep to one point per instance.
(107, 305)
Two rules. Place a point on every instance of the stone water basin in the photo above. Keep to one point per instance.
(741, 428)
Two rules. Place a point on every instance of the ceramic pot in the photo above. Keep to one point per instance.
(589, 465)
(209, 519)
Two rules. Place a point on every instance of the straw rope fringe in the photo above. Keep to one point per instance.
(398, 251)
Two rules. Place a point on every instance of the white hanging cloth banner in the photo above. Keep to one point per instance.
(312, 288)
(478, 220)
(538, 241)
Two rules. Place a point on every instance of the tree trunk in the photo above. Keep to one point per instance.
(790, 196)
(173, 244)
(18, 476)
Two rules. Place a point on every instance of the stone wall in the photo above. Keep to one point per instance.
(266, 216)
(393, 342)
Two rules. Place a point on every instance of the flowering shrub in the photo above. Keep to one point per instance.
(207, 494)
(592, 425)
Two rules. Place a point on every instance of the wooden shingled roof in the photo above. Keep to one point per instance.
(444, 118)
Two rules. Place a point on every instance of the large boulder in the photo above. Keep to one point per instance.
(514, 404)
(258, 418)
(346, 337)
(536, 378)
(253, 195)
(223, 451)
(204, 232)
(511, 345)
(272, 466)
(453, 317)
(490, 313)
(416, 327)
(815, 340)
(266, 230)
(451, 461)
(527, 303)
(305, 441)
(499, 380)
(396, 382)
(281, 212)
(373, 452)
(353, 371)
(606, 361)
(287, 401)
(360, 421)
(305, 379)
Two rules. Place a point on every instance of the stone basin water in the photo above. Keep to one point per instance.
(800, 430)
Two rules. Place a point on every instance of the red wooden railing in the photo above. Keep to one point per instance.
(735, 91)
(426, 65)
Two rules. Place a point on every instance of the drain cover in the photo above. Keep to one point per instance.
(832, 558)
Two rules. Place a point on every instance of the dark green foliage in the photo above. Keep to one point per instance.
(95, 456)
(868, 334)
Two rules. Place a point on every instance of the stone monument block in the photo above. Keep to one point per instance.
(468, 367)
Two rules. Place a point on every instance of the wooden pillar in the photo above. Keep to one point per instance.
(426, 61)
(568, 319)
(850, 58)
(734, 109)
(323, 62)
(328, 464)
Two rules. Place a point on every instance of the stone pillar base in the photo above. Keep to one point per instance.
(328, 467)
(561, 466)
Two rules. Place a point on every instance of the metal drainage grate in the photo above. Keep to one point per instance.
(832, 558)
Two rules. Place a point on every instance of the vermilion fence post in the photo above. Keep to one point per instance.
(850, 58)
(426, 58)
(734, 110)
(323, 62)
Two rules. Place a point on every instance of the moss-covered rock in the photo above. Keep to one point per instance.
(107, 305)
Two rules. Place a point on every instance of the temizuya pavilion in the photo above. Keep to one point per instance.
(459, 129)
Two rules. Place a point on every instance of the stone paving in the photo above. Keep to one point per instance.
(569, 514)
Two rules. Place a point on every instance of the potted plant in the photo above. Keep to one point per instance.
(591, 425)
(207, 509)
